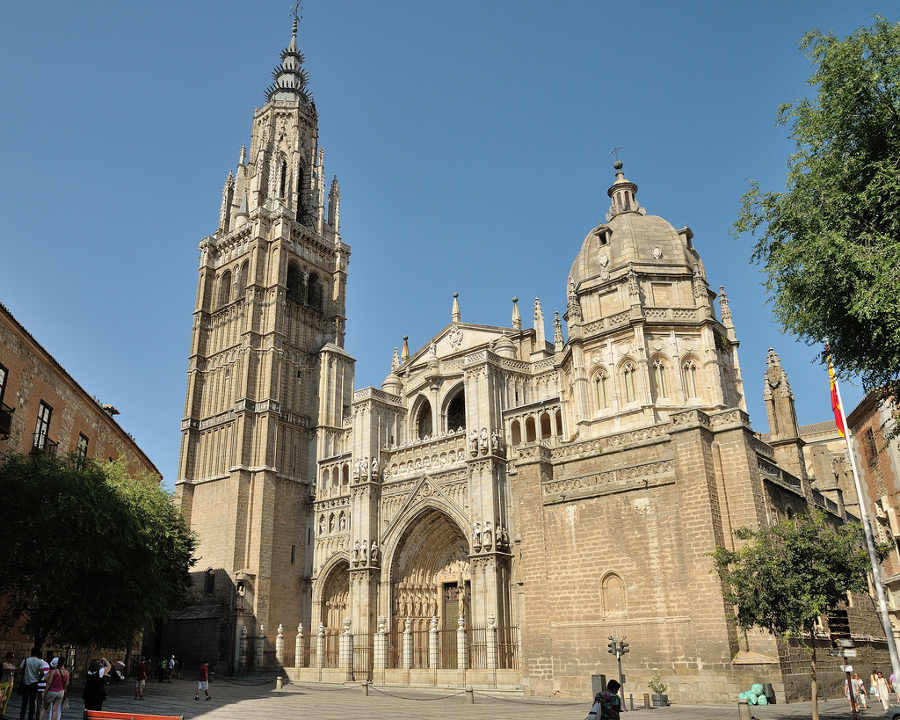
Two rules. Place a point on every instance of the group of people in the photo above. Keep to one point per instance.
(45, 685)
(880, 689)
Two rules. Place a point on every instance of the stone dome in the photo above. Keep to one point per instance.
(505, 348)
(392, 384)
(629, 236)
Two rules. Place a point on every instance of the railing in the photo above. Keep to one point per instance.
(508, 647)
(362, 656)
(332, 646)
(41, 443)
(395, 648)
(424, 454)
(477, 642)
(447, 648)
(420, 643)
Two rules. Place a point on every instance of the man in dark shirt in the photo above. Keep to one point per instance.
(33, 668)
(140, 679)
(610, 703)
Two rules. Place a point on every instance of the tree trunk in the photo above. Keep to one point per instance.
(813, 682)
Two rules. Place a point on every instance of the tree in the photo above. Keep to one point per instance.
(90, 555)
(830, 243)
(788, 575)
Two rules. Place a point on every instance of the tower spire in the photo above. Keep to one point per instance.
(290, 77)
(516, 316)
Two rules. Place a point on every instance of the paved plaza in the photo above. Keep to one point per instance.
(259, 700)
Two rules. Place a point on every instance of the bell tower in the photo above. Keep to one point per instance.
(266, 361)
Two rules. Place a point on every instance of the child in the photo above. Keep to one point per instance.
(203, 682)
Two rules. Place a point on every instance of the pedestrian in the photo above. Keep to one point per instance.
(203, 682)
(140, 679)
(162, 669)
(32, 672)
(607, 704)
(94, 688)
(57, 681)
(171, 668)
(884, 694)
(858, 687)
(7, 680)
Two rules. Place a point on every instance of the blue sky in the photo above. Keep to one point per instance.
(467, 137)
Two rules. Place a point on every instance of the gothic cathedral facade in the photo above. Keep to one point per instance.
(502, 504)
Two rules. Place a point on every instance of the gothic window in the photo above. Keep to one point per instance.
(345, 476)
(530, 433)
(689, 371)
(42, 428)
(225, 288)
(613, 594)
(296, 289)
(659, 378)
(300, 187)
(242, 282)
(282, 186)
(423, 421)
(545, 426)
(600, 389)
(326, 476)
(456, 412)
(516, 432)
(315, 292)
(628, 382)
(559, 422)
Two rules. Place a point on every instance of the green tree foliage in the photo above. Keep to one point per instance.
(830, 243)
(784, 577)
(90, 554)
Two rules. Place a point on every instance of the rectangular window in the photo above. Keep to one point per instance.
(42, 429)
(293, 550)
(4, 374)
(82, 449)
(871, 447)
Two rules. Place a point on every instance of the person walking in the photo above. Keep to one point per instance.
(140, 679)
(32, 671)
(170, 667)
(203, 682)
(57, 682)
(858, 688)
(607, 704)
(884, 694)
(94, 692)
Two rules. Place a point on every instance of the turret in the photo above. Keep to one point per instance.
(334, 206)
(784, 433)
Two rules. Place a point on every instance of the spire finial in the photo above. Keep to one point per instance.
(454, 308)
(404, 353)
(395, 359)
(557, 332)
(516, 317)
(242, 159)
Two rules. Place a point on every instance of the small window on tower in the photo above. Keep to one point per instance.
(283, 186)
(293, 551)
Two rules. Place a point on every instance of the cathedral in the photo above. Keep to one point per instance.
(502, 504)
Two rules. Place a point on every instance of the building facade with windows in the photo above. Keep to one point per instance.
(502, 503)
(43, 409)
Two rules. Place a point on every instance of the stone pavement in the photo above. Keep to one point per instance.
(258, 700)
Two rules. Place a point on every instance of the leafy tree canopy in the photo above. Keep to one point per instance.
(90, 554)
(830, 243)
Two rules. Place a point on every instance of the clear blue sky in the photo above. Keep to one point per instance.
(467, 137)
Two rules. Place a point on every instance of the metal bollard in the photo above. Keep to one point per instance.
(630, 701)
(366, 687)
(743, 710)
(471, 693)
(279, 682)
(646, 701)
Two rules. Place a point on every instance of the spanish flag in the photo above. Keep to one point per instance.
(835, 401)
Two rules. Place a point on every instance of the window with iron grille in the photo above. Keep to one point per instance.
(82, 449)
(42, 428)
(871, 447)
(4, 374)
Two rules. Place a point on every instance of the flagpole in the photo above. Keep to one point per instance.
(870, 542)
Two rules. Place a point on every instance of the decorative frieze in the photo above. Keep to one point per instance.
(659, 472)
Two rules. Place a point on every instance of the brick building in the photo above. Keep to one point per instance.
(878, 462)
(43, 409)
(503, 502)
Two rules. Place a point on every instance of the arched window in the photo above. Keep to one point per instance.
(225, 288)
(516, 432)
(242, 282)
(456, 412)
(613, 594)
(559, 422)
(628, 382)
(335, 482)
(323, 487)
(345, 476)
(282, 186)
(689, 373)
(296, 289)
(423, 421)
(601, 390)
(545, 426)
(315, 292)
(659, 378)
(530, 434)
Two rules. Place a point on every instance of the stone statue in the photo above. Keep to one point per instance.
(374, 467)
(484, 441)
(382, 625)
(343, 522)
(364, 466)
(476, 535)
(356, 551)
(373, 553)
(365, 552)
(495, 440)
(473, 442)
(322, 525)
(487, 535)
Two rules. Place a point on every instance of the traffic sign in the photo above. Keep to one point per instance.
(846, 668)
